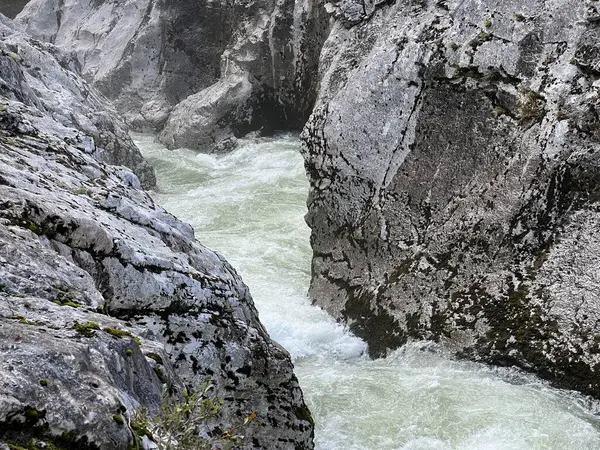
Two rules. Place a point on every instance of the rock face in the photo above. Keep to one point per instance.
(10, 8)
(454, 162)
(107, 302)
(41, 76)
(453, 157)
(202, 72)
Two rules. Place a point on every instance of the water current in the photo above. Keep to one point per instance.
(249, 206)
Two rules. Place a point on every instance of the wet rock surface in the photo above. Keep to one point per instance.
(202, 73)
(454, 163)
(107, 302)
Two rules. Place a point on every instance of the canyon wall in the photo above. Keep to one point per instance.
(201, 73)
(453, 155)
(108, 304)
(41, 76)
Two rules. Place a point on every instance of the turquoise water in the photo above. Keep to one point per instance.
(249, 206)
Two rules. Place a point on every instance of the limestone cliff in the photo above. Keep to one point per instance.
(452, 151)
(454, 161)
(107, 302)
(41, 76)
(203, 73)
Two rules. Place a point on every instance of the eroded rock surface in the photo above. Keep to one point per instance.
(454, 163)
(80, 233)
(205, 72)
(11, 8)
(107, 302)
(42, 76)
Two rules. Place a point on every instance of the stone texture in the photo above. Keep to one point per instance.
(10, 8)
(40, 75)
(81, 233)
(207, 72)
(453, 155)
(266, 78)
(81, 243)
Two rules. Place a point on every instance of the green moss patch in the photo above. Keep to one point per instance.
(155, 356)
(88, 329)
(115, 332)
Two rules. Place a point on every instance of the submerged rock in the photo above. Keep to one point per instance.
(454, 164)
(205, 72)
(108, 303)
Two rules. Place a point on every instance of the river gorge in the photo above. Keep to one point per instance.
(412, 264)
(250, 205)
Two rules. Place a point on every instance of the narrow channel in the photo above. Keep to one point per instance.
(249, 206)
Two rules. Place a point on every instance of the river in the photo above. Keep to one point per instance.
(249, 206)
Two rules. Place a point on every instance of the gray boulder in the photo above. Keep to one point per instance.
(454, 164)
(206, 72)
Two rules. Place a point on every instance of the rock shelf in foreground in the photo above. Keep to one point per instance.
(107, 302)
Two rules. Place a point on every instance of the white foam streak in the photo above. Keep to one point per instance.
(249, 205)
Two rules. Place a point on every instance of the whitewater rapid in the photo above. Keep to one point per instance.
(249, 205)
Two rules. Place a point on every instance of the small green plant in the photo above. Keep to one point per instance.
(32, 414)
(64, 298)
(480, 39)
(88, 329)
(530, 107)
(487, 23)
(34, 228)
(121, 334)
(129, 351)
(116, 332)
(119, 419)
(23, 320)
(70, 303)
(181, 420)
(44, 383)
(156, 357)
